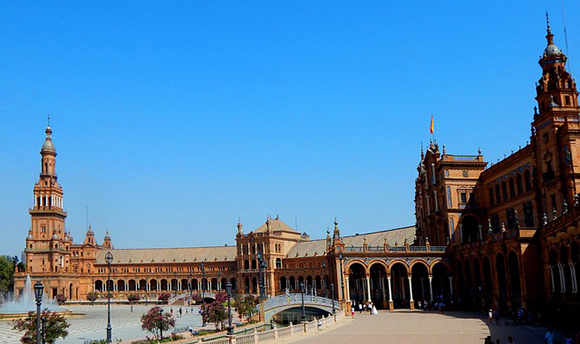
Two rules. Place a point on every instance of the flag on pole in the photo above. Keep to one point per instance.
(431, 129)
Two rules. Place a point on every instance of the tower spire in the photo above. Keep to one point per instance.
(549, 35)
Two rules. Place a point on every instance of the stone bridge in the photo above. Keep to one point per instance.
(185, 295)
(280, 303)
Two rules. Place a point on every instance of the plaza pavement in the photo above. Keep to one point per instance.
(126, 325)
(409, 327)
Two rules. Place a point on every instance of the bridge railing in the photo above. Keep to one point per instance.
(296, 299)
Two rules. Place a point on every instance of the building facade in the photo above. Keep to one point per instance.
(511, 227)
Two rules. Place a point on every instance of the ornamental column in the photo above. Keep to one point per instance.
(431, 287)
(391, 306)
(347, 291)
(450, 286)
(368, 288)
(411, 302)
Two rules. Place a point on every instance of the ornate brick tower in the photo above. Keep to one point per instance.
(48, 245)
(555, 129)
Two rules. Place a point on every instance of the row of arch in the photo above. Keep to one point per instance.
(165, 284)
(493, 282)
(510, 188)
(564, 266)
(398, 284)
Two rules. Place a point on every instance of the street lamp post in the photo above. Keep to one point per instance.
(341, 258)
(109, 260)
(303, 308)
(42, 329)
(161, 327)
(229, 291)
(203, 280)
(219, 282)
(324, 277)
(174, 285)
(38, 290)
(332, 292)
(189, 288)
(260, 275)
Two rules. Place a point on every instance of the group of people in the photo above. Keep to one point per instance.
(364, 307)
(488, 340)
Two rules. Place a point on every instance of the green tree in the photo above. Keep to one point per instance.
(246, 305)
(154, 321)
(7, 266)
(214, 312)
(55, 326)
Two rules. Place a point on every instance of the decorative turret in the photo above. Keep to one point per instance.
(556, 88)
(240, 226)
(107, 241)
(90, 237)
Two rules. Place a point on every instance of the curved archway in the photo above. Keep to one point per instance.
(441, 282)
(247, 284)
(555, 272)
(98, 285)
(283, 283)
(400, 285)
(164, 285)
(420, 282)
(153, 284)
(477, 284)
(488, 285)
(501, 279)
(292, 282)
(378, 284)
(254, 285)
(469, 229)
(357, 282)
(143, 285)
(515, 283)
(567, 287)
(519, 184)
(132, 285)
(120, 285)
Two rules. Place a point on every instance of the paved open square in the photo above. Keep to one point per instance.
(92, 325)
(408, 327)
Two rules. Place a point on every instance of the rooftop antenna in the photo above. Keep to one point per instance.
(296, 221)
(565, 34)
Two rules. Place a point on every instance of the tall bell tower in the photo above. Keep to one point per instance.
(556, 130)
(48, 246)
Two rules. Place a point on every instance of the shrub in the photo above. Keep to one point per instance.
(164, 297)
(221, 297)
(133, 297)
(55, 326)
(92, 296)
(60, 299)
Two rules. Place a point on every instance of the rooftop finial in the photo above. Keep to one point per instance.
(48, 122)
(549, 36)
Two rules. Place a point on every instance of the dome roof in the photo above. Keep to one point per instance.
(48, 146)
(552, 50)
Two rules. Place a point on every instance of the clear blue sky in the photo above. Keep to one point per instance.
(173, 119)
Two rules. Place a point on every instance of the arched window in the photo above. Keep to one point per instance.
(512, 188)
(528, 180)
(504, 190)
(246, 264)
(519, 185)
(278, 263)
(491, 195)
(254, 266)
(497, 194)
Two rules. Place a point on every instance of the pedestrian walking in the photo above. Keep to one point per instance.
(370, 307)
(549, 336)
(131, 308)
(360, 308)
(180, 312)
(352, 312)
(497, 317)
(511, 340)
(490, 315)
